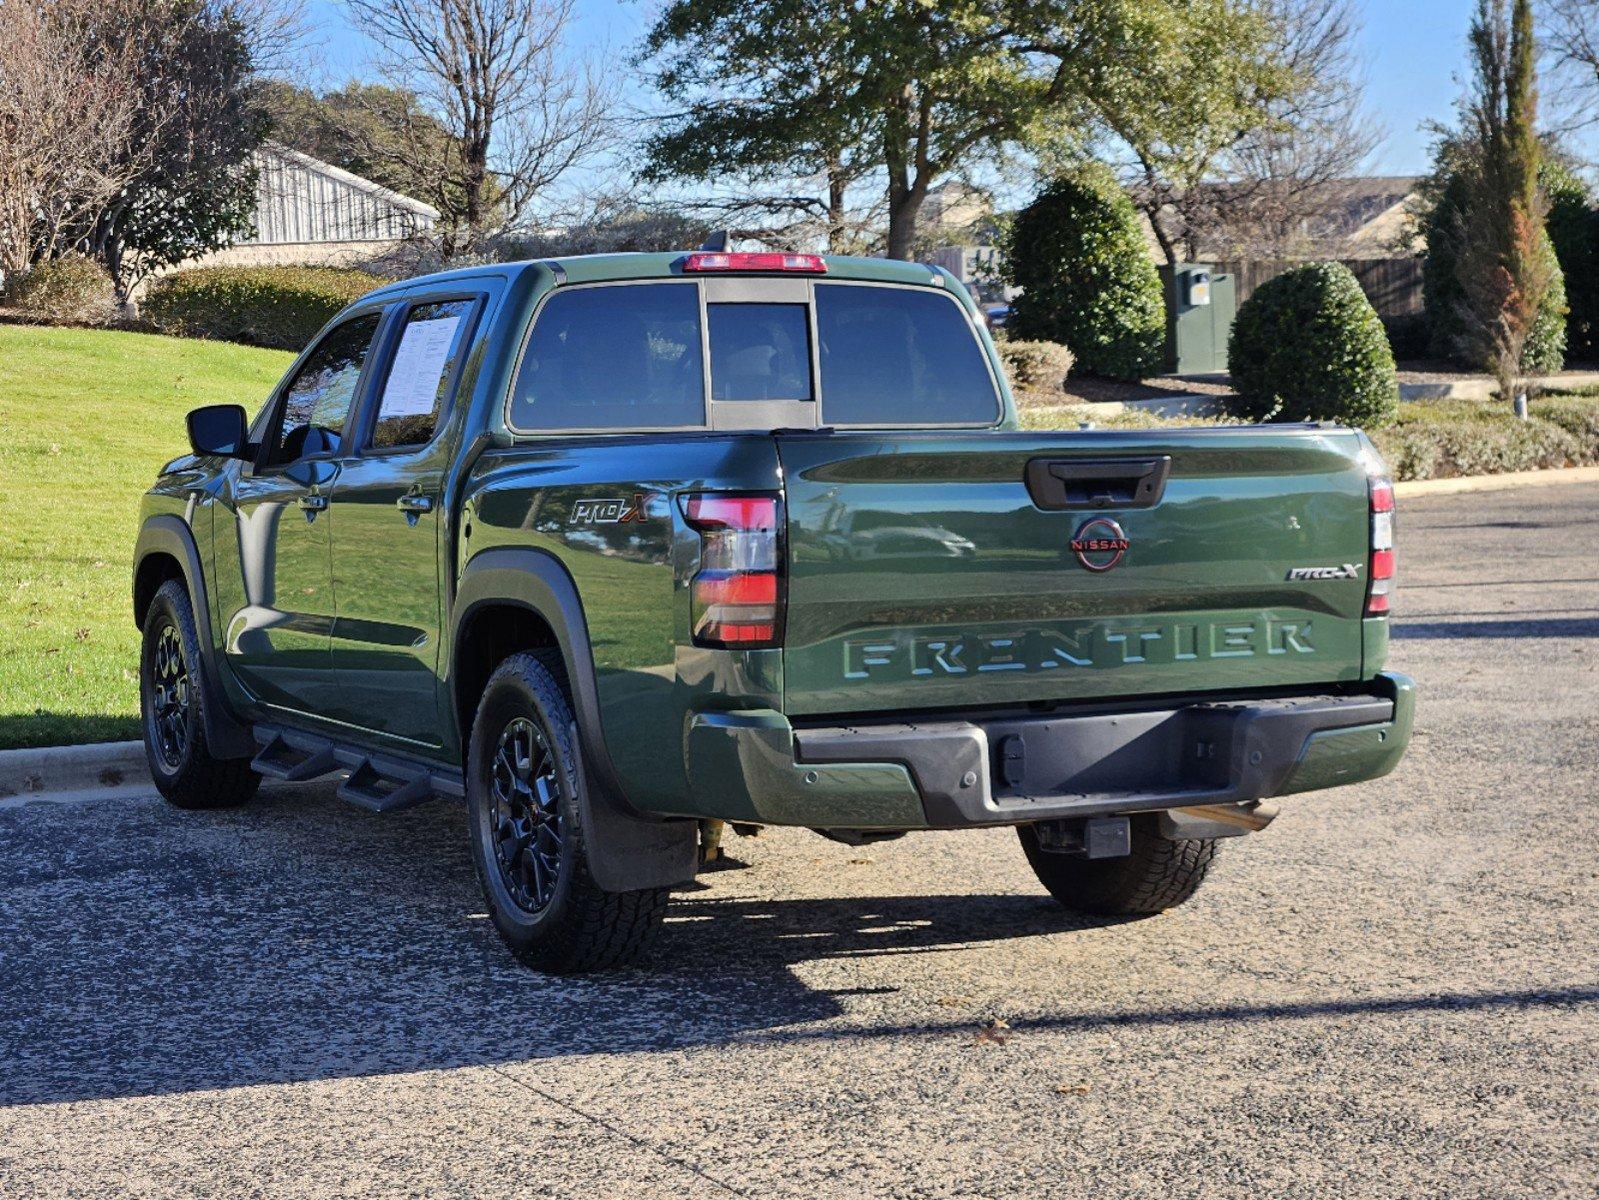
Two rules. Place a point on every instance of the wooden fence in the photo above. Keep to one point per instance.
(1393, 285)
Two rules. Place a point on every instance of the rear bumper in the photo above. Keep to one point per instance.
(951, 773)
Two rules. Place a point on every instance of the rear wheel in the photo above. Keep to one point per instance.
(172, 711)
(1158, 874)
(528, 840)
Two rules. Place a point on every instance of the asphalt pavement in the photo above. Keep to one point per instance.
(1392, 992)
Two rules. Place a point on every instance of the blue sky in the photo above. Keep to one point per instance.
(1413, 48)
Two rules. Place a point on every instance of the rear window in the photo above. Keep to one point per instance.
(760, 351)
(615, 357)
(899, 356)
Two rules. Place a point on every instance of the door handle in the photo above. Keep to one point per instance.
(413, 502)
(312, 502)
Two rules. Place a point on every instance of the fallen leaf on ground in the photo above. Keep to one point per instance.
(996, 1031)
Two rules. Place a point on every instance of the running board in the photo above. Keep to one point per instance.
(377, 782)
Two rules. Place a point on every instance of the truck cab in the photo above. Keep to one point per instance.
(613, 547)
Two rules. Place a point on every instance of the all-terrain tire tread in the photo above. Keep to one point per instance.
(599, 930)
(204, 781)
(1157, 875)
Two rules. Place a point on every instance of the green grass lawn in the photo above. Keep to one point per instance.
(87, 417)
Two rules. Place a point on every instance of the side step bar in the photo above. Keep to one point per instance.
(376, 782)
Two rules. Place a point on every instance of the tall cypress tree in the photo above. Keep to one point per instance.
(1505, 266)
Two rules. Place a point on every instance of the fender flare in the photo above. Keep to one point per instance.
(627, 851)
(164, 533)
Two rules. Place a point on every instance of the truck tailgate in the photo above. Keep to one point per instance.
(923, 572)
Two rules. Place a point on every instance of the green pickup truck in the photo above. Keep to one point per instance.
(613, 546)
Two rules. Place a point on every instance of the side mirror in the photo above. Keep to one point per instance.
(219, 430)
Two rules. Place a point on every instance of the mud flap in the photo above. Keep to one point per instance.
(627, 853)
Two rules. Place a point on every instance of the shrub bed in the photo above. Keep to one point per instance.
(280, 307)
(1308, 346)
(1431, 439)
(1037, 370)
(71, 290)
(1078, 254)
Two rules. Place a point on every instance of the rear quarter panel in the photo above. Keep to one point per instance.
(630, 578)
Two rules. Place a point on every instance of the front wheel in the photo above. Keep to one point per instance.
(1156, 875)
(172, 712)
(529, 843)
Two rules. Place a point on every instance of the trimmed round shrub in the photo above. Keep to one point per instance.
(279, 307)
(1078, 254)
(1035, 366)
(70, 290)
(1308, 346)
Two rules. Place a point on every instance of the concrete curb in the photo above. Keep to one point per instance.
(1496, 483)
(105, 767)
(1483, 388)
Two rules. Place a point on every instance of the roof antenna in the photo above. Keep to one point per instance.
(717, 242)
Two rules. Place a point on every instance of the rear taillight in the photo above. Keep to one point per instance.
(1379, 596)
(805, 264)
(736, 597)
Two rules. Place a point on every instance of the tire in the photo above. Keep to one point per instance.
(1157, 875)
(172, 712)
(528, 840)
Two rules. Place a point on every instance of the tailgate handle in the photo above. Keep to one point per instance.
(1058, 484)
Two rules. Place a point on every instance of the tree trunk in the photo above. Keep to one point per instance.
(1168, 247)
(836, 187)
(907, 182)
(904, 206)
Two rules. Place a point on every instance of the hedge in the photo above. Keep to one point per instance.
(279, 307)
(71, 290)
(1038, 368)
(1443, 439)
(1574, 231)
(1308, 346)
(1431, 439)
(1078, 254)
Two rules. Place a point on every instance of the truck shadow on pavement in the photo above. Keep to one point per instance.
(144, 951)
(1509, 627)
(147, 951)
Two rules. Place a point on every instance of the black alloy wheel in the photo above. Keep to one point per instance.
(524, 798)
(169, 709)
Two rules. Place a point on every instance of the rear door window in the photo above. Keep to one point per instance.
(420, 374)
(619, 356)
(900, 356)
(760, 351)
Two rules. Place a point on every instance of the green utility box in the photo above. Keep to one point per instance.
(1200, 306)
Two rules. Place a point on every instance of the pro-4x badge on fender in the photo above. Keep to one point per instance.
(609, 512)
(1099, 543)
(1347, 571)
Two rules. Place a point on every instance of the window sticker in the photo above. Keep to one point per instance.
(419, 367)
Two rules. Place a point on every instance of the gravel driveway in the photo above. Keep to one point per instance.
(1394, 991)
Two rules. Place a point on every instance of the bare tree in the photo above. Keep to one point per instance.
(1282, 126)
(1288, 171)
(499, 79)
(66, 111)
(1570, 30)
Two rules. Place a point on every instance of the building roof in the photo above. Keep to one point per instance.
(301, 199)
